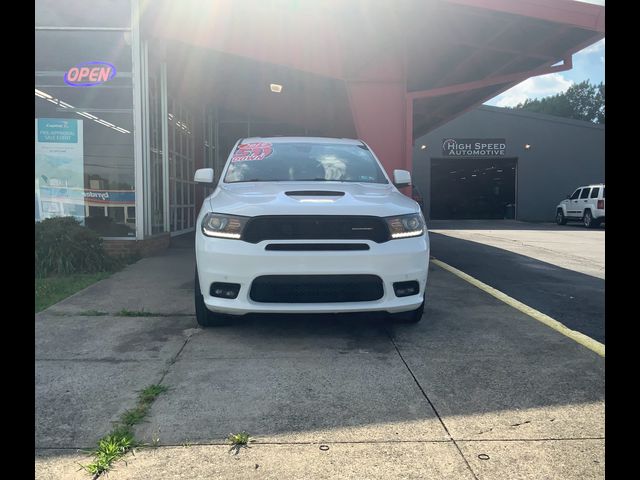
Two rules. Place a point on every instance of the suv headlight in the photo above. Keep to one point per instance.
(223, 226)
(405, 226)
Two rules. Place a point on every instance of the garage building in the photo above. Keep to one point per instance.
(494, 163)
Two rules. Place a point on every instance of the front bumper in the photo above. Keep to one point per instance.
(235, 261)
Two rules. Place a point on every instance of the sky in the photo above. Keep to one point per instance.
(588, 64)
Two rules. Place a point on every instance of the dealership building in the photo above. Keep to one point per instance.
(132, 96)
(493, 163)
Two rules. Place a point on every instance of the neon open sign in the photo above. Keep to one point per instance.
(89, 74)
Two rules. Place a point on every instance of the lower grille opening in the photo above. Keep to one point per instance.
(316, 247)
(316, 288)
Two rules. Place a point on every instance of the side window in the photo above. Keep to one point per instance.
(585, 193)
(576, 194)
(595, 192)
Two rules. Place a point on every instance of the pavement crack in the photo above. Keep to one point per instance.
(518, 424)
(550, 439)
(174, 359)
(431, 404)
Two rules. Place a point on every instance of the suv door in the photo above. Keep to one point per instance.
(593, 201)
(572, 205)
(584, 202)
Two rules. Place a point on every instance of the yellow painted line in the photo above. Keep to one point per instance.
(581, 338)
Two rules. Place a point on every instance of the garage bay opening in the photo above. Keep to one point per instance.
(473, 188)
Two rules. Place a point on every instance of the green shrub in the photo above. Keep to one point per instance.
(64, 246)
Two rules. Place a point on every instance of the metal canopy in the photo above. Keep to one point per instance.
(478, 49)
(447, 56)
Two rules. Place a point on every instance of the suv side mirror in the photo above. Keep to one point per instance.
(568, 197)
(203, 175)
(401, 178)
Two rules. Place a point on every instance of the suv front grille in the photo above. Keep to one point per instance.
(317, 227)
(316, 288)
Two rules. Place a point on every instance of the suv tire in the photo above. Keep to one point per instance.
(560, 218)
(412, 316)
(204, 316)
(587, 219)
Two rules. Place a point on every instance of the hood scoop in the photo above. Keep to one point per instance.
(314, 193)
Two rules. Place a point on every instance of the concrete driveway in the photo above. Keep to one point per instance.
(570, 246)
(477, 390)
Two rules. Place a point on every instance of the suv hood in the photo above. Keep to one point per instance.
(310, 198)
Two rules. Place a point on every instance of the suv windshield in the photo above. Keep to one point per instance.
(273, 162)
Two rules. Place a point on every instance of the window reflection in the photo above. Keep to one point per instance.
(84, 141)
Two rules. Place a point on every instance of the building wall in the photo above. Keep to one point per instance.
(144, 248)
(564, 154)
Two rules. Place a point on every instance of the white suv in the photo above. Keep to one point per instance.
(308, 225)
(586, 205)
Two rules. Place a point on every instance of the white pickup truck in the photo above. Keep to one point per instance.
(585, 205)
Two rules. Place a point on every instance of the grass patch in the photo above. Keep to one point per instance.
(135, 313)
(51, 290)
(149, 394)
(238, 441)
(92, 313)
(110, 448)
(121, 440)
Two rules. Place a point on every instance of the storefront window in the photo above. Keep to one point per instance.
(181, 165)
(84, 152)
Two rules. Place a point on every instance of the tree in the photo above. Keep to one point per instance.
(582, 101)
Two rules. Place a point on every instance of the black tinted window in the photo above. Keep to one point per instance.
(595, 192)
(575, 194)
(585, 193)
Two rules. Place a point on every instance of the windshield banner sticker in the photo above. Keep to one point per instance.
(247, 152)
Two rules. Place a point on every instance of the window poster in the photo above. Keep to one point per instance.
(59, 182)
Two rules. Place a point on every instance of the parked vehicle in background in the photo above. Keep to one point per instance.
(308, 225)
(585, 205)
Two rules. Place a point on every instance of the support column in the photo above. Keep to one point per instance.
(379, 114)
(380, 109)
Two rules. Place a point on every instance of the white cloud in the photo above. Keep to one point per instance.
(597, 47)
(534, 87)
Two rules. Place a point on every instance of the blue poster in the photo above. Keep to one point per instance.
(59, 167)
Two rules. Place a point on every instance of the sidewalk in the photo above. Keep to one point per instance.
(474, 378)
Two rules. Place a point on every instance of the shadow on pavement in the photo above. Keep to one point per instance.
(504, 225)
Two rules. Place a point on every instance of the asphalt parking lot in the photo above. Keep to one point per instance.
(558, 270)
(477, 390)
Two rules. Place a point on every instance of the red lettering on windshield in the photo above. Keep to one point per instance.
(247, 152)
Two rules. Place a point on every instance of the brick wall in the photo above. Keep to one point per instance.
(145, 248)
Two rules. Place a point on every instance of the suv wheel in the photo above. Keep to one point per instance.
(560, 218)
(412, 316)
(204, 316)
(587, 219)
